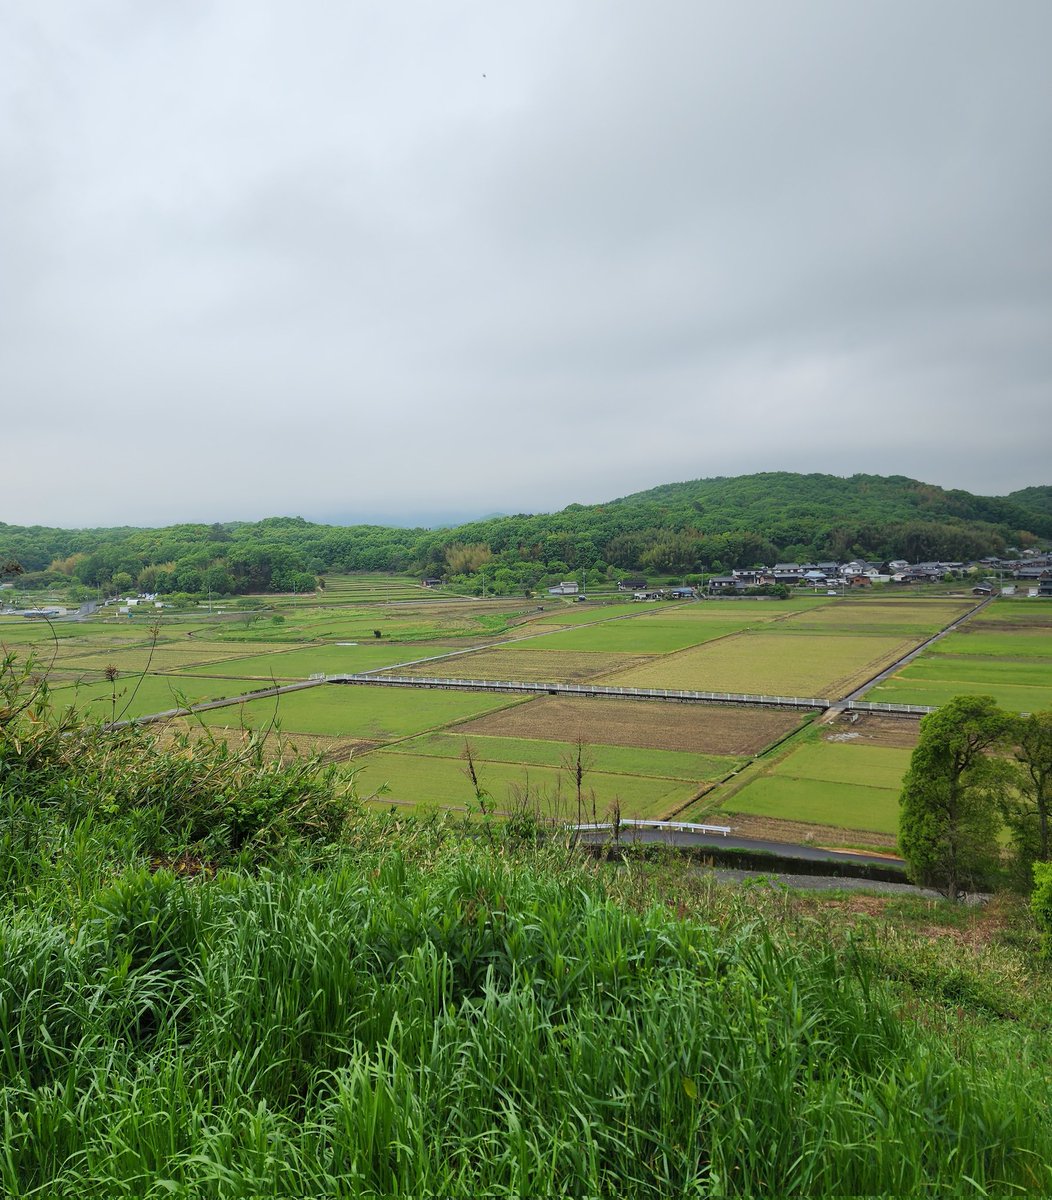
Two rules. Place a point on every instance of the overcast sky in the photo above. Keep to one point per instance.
(417, 260)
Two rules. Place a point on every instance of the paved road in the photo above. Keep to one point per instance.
(820, 883)
(678, 837)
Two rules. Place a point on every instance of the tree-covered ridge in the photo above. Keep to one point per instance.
(784, 505)
(1035, 499)
(703, 525)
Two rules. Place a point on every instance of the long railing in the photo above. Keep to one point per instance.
(583, 689)
(919, 710)
(671, 826)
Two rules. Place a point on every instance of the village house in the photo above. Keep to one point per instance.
(727, 583)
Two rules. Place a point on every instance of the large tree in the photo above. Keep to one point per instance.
(1029, 807)
(949, 815)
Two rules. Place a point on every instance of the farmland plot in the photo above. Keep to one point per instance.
(364, 713)
(839, 784)
(138, 697)
(443, 782)
(301, 663)
(616, 760)
(555, 666)
(629, 636)
(910, 688)
(894, 618)
(770, 662)
(1009, 660)
(1033, 612)
(690, 728)
(1022, 643)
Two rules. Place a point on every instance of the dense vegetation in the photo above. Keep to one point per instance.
(977, 771)
(706, 525)
(218, 977)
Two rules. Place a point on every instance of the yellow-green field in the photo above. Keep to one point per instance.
(378, 714)
(539, 666)
(769, 663)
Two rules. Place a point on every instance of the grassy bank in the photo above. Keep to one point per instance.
(286, 996)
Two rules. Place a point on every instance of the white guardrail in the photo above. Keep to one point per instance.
(865, 706)
(581, 689)
(671, 826)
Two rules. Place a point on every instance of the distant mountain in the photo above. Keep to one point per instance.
(755, 501)
(697, 526)
(734, 521)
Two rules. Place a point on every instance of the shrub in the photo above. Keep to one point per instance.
(1041, 902)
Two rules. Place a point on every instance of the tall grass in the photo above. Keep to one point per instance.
(340, 1005)
(469, 1026)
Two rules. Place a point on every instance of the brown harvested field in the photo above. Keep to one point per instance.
(651, 725)
(873, 729)
(540, 666)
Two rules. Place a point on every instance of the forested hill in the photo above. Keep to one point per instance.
(704, 525)
(1034, 499)
(774, 500)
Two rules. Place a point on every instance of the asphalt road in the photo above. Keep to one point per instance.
(676, 837)
(820, 883)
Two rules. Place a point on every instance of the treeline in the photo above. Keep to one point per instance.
(703, 526)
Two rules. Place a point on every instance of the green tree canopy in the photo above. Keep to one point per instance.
(1029, 808)
(949, 815)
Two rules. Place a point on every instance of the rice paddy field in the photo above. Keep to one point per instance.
(839, 784)
(774, 662)
(546, 789)
(512, 771)
(363, 713)
(539, 666)
(411, 739)
(1005, 653)
(685, 728)
(230, 980)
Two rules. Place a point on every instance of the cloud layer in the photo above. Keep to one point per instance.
(363, 261)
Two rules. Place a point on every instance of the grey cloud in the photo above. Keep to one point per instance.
(346, 258)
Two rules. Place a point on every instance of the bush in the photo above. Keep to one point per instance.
(1041, 902)
(191, 792)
